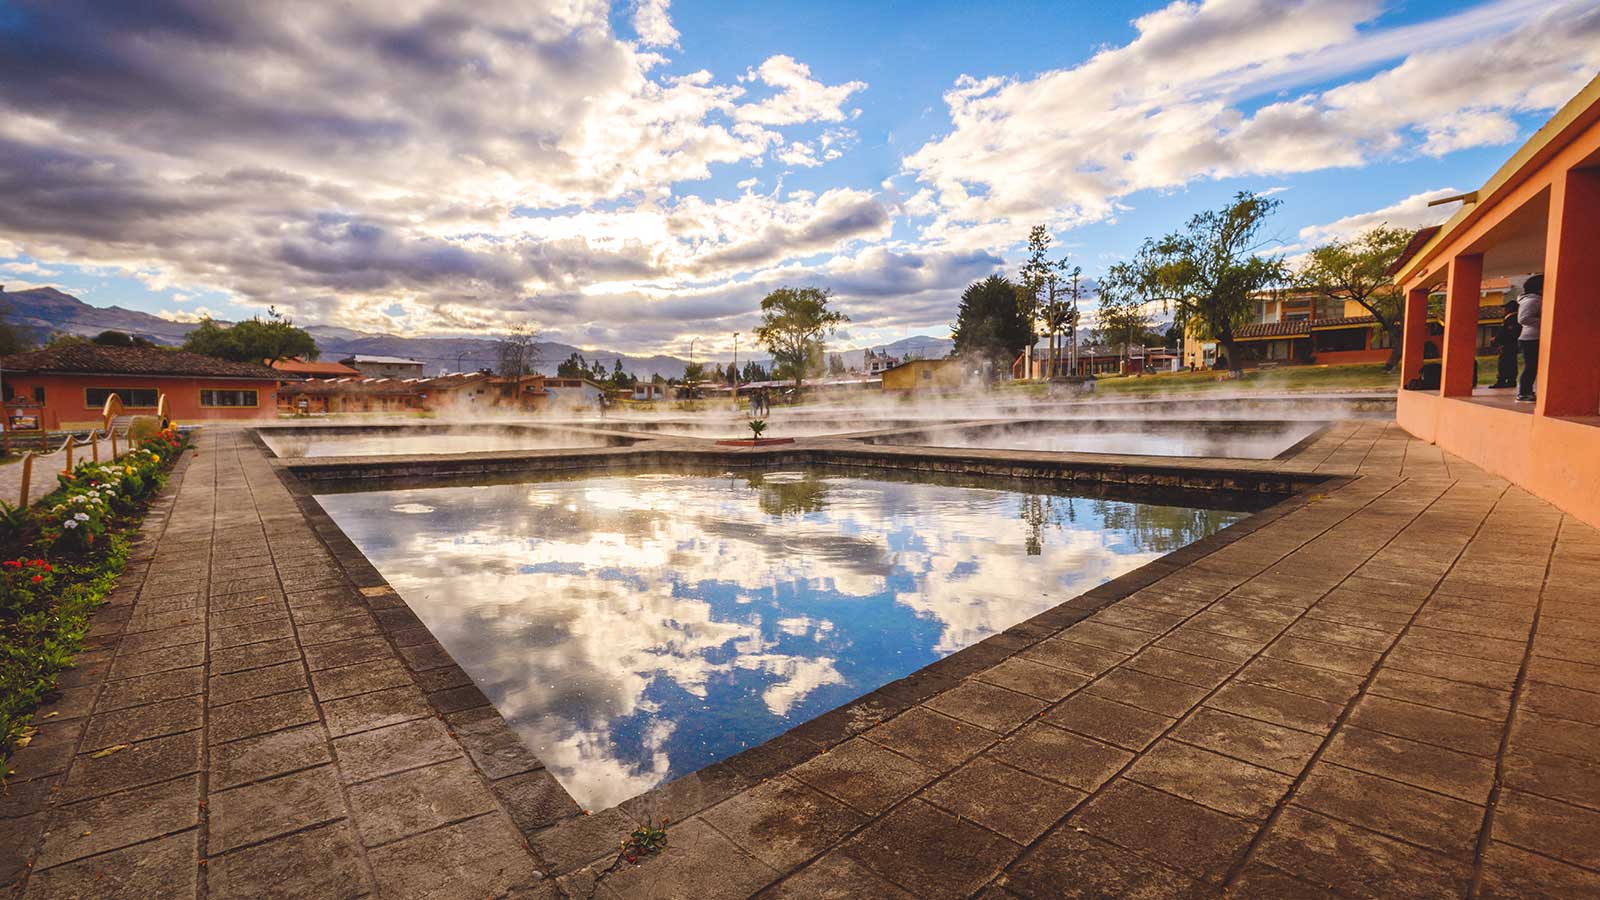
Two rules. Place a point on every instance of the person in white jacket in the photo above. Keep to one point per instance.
(1528, 306)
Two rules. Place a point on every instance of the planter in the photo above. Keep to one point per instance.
(754, 442)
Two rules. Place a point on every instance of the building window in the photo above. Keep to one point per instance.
(1330, 309)
(227, 398)
(38, 394)
(132, 398)
(1340, 340)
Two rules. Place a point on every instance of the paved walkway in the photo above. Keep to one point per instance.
(1388, 689)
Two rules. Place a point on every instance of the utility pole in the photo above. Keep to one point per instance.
(736, 371)
(1072, 336)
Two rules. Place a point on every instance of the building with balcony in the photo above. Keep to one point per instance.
(1302, 328)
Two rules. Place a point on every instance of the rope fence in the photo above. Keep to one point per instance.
(114, 420)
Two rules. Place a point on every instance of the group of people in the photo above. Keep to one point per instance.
(1518, 334)
(760, 403)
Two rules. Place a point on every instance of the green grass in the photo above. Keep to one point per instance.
(1285, 379)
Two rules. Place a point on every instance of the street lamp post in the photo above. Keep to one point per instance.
(691, 367)
(736, 371)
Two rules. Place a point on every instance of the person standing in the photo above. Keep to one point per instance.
(1505, 339)
(1528, 309)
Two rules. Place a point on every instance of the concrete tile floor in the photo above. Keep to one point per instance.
(1390, 688)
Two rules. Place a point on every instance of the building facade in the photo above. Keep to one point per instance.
(924, 375)
(1538, 214)
(1301, 328)
(67, 386)
(385, 366)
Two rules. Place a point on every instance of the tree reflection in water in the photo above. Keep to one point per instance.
(634, 628)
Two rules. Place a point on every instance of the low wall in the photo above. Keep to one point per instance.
(1557, 459)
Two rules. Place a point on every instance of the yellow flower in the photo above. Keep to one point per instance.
(155, 458)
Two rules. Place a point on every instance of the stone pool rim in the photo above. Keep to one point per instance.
(581, 838)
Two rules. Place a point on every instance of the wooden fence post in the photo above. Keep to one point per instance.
(94, 446)
(27, 476)
(70, 442)
(113, 444)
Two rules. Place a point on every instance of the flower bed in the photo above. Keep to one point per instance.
(61, 558)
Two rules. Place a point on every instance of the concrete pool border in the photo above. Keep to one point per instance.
(569, 840)
(880, 437)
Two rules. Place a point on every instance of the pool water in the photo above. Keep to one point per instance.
(287, 443)
(634, 628)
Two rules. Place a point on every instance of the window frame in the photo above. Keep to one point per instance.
(124, 393)
(255, 405)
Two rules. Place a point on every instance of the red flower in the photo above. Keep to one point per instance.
(13, 563)
(38, 578)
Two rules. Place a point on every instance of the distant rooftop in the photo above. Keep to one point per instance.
(315, 369)
(380, 360)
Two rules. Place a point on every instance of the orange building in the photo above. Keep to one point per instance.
(68, 385)
(1540, 213)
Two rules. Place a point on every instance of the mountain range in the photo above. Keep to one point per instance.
(45, 311)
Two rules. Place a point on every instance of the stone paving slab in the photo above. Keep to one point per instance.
(1384, 687)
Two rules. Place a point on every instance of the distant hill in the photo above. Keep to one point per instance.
(45, 311)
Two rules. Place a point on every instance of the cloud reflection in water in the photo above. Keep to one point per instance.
(636, 628)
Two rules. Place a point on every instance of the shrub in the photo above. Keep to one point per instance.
(68, 551)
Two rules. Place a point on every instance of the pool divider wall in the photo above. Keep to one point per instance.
(1241, 476)
(566, 838)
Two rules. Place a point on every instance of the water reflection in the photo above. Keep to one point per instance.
(636, 628)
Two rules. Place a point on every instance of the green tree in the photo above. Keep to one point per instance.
(991, 325)
(1121, 319)
(574, 366)
(794, 322)
(121, 339)
(1059, 311)
(253, 340)
(1208, 273)
(836, 365)
(619, 378)
(12, 339)
(1033, 277)
(1357, 271)
(694, 373)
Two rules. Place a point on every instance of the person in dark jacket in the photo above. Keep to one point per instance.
(1505, 340)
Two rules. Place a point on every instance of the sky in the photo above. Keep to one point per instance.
(638, 174)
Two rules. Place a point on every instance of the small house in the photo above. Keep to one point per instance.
(924, 375)
(68, 384)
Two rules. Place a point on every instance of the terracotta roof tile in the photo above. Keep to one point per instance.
(324, 369)
(92, 358)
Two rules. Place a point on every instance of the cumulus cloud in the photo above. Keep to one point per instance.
(653, 25)
(799, 97)
(430, 168)
(369, 165)
(1173, 105)
(1412, 212)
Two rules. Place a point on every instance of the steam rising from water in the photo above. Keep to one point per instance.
(1141, 424)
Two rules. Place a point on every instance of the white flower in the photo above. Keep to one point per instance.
(70, 524)
(82, 517)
